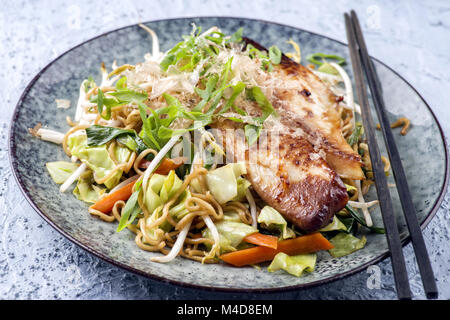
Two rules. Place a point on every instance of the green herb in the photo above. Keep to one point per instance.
(267, 61)
(235, 119)
(275, 54)
(237, 90)
(150, 126)
(253, 52)
(121, 84)
(167, 61)
(263, 103)
(188, 53)
(89, 84)
(267, 65)
(130, 211)
(351, 224)
(237, 36)
(156, 126)
(99, 135)
(126, 96)
(313, 58)
(356, 134)
(100, 98)
(225, 73)
(217, 94)
(252, 133)
(118, 98)
(356, 216)
(219, 39)
(213, 94)
(206, 93)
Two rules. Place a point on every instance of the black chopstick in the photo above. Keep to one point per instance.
(389, 220)
(420, 250)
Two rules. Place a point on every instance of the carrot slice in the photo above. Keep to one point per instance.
(304, 244)
(262, 240)
(106, 204)
(165, 166)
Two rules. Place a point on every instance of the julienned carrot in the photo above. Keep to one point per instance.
(165, 166)
(303, 244)
(106, 204)
(262, 240)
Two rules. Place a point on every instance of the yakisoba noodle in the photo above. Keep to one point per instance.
(198, 205)
(195, 234)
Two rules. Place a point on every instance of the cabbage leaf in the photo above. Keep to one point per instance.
(346, 243)
(86, 190)
(272, 220)
(231, 234)
(294, 265)
(160, 189)
(335, 225)
(223, 182)
(231, 216)
(61, 170)
(97, 158)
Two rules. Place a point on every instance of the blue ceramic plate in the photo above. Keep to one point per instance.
(423, 153)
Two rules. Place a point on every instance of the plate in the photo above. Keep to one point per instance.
(423, 152)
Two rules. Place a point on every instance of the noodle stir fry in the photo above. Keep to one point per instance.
(142, 154)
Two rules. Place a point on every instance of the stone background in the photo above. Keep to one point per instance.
(36, 262)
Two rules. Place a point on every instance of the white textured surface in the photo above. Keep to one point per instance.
(37, 263)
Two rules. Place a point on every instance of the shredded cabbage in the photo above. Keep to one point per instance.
(86, 190)
(294, 265)
(272, 220)
(231, 234)
(160, 189)
(346, 243)
(231, 216)
(336, 224)
(223, 182)
(97, 158)
(60, 171)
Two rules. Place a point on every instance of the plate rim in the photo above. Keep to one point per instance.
(154, 277)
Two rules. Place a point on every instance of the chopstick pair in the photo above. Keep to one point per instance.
(362, 64)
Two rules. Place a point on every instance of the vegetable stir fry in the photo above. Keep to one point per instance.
(147, 149)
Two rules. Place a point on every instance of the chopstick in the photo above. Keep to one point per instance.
(420, 250)
(389, 220)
